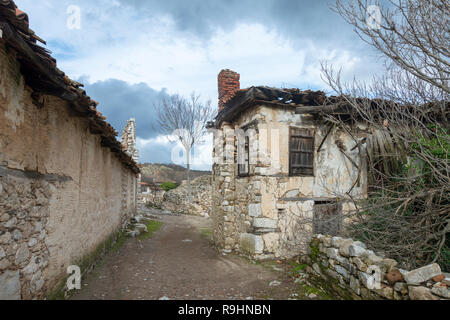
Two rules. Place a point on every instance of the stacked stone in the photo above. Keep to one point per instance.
(176, 200)
(369, 276)
(24, 256)
(228, 86)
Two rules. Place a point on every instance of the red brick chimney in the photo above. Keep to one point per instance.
(228, 86)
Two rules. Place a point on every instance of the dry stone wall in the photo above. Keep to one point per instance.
(352, 271)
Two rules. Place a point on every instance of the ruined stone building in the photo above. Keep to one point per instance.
(281, 172)
(66, 185)
(129, 146)
(129, 140)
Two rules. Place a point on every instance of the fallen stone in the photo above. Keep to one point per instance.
(423, 274)
(142, 228)
(394, 276)
(443, 292)
(275, 283)
(164, 298)
(421, 293)
(133, 234)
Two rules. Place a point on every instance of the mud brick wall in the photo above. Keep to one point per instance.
(61, 192)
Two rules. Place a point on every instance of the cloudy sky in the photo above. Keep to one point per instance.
(130, 53)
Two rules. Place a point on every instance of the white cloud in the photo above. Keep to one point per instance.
(119, 42)
(165, 149)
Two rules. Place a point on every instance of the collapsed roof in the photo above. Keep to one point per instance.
(311, 102)
(286, 98)
(42, 75)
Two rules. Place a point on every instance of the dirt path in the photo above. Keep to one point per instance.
(179, 262)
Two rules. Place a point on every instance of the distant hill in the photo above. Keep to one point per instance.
(158, 172)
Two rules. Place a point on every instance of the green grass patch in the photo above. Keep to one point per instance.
(206, 233)
(296, 268)
(152, 227)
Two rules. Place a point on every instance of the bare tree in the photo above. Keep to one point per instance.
(407, 213)
(186, 120)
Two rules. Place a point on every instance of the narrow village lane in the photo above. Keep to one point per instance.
(179, 262)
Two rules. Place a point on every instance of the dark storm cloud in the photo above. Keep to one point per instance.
(295, 19)
(156, 153)
(120, 101)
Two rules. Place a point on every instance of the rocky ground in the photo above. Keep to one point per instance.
(180, 262)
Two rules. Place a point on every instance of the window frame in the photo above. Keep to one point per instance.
(302, 135)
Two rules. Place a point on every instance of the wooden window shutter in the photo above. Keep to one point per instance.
(301, 152)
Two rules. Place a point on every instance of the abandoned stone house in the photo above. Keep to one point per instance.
(281, 173)
(66, 184)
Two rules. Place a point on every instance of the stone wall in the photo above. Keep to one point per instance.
(176, 200)
(152, 197)
(349, 270)
(61, 192)
(269, 214)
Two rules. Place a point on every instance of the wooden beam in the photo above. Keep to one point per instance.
(325, 138)
(333, 108)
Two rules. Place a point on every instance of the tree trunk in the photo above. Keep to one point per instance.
(188, 165)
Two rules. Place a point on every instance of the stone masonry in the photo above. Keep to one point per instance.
(353, 271)
(269, 213)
